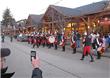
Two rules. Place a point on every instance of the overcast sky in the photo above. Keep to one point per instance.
(20, 9)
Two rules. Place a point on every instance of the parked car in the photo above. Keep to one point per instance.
(22, 38)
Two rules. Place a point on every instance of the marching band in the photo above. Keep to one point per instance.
(97, 44)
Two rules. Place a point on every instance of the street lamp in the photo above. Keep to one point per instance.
(98, 21)
(64, 29)
(88, 27)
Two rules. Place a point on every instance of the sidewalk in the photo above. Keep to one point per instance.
(79, 50)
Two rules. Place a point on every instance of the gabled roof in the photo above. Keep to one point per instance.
(66, 11)
(36, 19)
(20, 23)
(93, 8)
(83, 10)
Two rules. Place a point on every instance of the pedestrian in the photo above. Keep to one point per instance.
(109, 39)
(3, 37)
(37, 72)
(78, 36)
(106, 42)
(87, 48)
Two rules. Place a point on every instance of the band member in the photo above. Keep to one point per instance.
(29, 40)
(56, 42)
(51, 40)
(62, 42)
(98, 43)
(93, 35)
(38, 41)
(46, 40)
(49, 44)
(87, 48)
(73, 43)
(43, 41)
(34, 43)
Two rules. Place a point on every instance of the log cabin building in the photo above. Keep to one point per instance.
(33, 23)
(20, 27)
(91, 17)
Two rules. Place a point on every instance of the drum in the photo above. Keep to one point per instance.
(61, 43)
(51, 39)
(101, 50)
(73, 45)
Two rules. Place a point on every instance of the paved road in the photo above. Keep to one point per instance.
(54, 64)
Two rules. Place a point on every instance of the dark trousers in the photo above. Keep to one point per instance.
(43, 44)
(2, 39)
(11, 39)
(49, 45)
(74, 50)
(37, 73)
(34, 45)
(89, 54)
(56, 47)
(63, 48)
(38, 45)
(98, 55)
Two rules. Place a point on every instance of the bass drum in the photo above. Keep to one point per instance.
(51, 39)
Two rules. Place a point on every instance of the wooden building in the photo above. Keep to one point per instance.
(96, 16)
(33, 23)
(92, 17)
(20, 27)
(58, 19)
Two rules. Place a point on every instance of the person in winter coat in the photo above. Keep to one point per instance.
(3, 37)
(37, 72)
(78, 41)
(4, 52)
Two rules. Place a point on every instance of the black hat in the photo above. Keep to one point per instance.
(5, 52)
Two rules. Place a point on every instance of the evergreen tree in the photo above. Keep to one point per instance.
(7, 18)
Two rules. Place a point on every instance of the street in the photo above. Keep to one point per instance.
(54, 63)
